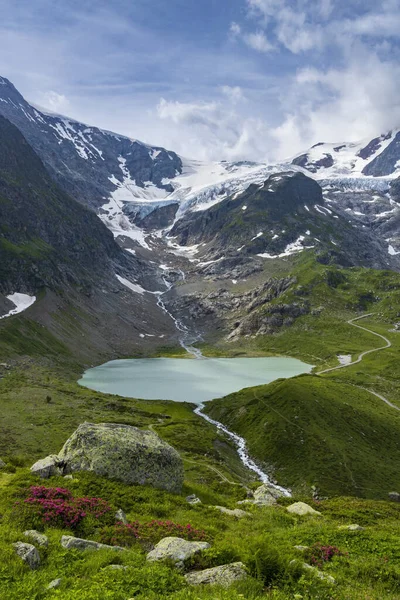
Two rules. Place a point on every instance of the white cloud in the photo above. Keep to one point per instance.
(54, 101)
(258, 41)
(234, 93)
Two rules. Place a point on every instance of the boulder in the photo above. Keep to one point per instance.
(54, 584)
(301, 509)
(69, 542)
(353, 527)
(47, 467)
(320, 574)
(176, 549)
(116, 568)
(38, 538)
(28, 553)
(121, 517)
(224, 575)
(395, 496)
(237, 512)
(267, 494)
(193, 499)
(125, 453)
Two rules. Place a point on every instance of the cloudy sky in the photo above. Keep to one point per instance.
(211, 79)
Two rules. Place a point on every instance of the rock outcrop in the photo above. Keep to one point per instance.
(121, 452)
(265, 495)
(29, 554)
(223, 575)
(176, 549)
(236, 512)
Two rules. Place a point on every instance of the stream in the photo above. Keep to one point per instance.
(239, 442)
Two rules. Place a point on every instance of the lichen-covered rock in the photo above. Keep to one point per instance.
(353, 527)
(265, 495)
(28, 553)
(47, 467)
(54, 584)
(237, 512)
(301, 509)
(38, 538)
(224, 575)
(2, 464)
(193, 499)
(124, 453)
(176, 549)
(68, 542)
(121, 516)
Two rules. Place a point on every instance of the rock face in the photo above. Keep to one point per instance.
(301, 509)
(119, 452)
(28, 553)
(68, 542)
(176, 549)
(39, 538)
(224, 575)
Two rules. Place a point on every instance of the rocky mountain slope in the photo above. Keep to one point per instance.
(87, 162)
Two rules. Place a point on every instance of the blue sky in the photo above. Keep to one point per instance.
(211, 79)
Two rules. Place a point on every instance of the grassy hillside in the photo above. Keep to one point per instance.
(314, 431)
(366, 565)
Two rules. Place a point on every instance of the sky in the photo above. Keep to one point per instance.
(211, 79)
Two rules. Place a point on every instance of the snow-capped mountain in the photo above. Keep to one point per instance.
(379, 157)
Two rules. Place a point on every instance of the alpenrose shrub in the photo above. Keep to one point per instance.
(320, 553)
(56, 507)
(154, 531)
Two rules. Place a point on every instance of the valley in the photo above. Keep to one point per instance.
(245, 313)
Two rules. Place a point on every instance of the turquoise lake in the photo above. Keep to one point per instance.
(185, 380)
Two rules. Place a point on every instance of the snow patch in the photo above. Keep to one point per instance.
(21, 303)
(134, 287)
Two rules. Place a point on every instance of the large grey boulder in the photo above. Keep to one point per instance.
(125, 453)
(38, 538)
(302, 509)
(28, 553)
(395, 496)
(176, 549)
(119, 452)
(48, 467)
(224, 575)
(69, 542)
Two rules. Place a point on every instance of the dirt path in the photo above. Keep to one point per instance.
(361, 356)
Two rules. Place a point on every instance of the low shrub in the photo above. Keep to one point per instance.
(319, 553)
(127, 535)
(56, 507)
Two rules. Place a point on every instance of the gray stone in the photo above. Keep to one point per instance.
(301, 509)
(267, 494)
(2, 464)
(237, 512)
(224, 575)
(54, 584)
(193, 499)
(124, 453)
(121, 516)
(28, 553)
(353, 527)
(395, 496)
(176, 549)
(69, 542)
(115, 568)
(301, 548)
(319, 574)
(38, 538)
(47, 467)
(68, 476)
